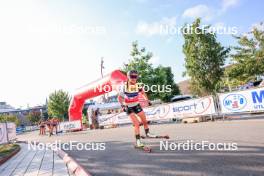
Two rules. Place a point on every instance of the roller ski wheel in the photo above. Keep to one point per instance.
(144, 148)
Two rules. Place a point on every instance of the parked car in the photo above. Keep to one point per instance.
(181, 98)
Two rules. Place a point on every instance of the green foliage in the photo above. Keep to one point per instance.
(84, 111)
(204, 59)
(227, 83)
(9, 118)
(248, 60)
(140, 62)
(7, 149)
(150, 75)
(164, 76)
(58, 104)
(34, 117)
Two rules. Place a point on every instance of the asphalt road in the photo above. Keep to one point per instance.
(120, 157)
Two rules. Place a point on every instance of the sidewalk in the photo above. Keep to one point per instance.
(34, 163)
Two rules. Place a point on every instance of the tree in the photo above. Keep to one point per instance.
(58, 104)
(204, 59)
(140, 62)
(34, 117)
(164, 76)
(248, 60)
(149, 75)
(9, 118)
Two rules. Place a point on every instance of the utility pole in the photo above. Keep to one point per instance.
(101, 68)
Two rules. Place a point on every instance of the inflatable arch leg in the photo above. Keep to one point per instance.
(96, 88)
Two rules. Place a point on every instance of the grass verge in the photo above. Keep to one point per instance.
(7, 151)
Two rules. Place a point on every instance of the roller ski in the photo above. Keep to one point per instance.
(153, 136)
(141, 146)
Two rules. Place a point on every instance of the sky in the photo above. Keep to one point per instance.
(46, 45)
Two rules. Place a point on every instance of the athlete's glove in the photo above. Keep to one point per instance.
(124, 108)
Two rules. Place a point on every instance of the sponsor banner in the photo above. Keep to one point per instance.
(72, 125)
(193, 108)
(179, 110)
(110, 119)
(28, 128)
(11, 129)
(159, 112)
(251, 100)
(35, 128)
(3, 136)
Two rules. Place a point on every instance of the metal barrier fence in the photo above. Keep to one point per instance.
(231, 103)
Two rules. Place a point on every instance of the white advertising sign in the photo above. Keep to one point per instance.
(3, 136)
(11, 129)
(73, 125)
(179, 110)
(251, 100)
(31, 128)
(110, 119)
(193, 108)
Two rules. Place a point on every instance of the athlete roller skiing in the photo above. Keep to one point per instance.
(129, 100)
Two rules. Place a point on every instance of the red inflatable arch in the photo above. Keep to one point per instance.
(96, 88)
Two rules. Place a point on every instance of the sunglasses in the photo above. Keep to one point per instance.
(133, 76)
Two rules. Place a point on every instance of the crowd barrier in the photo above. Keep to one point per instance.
(237, 102)
(70, 125)
(31, 128)
(245, 101)
(178, 110)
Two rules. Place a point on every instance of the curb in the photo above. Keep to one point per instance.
(2, 161)
(72, 164)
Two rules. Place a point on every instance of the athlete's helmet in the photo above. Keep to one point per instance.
(132, 72)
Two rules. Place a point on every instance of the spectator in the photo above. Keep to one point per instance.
(54, 124)
(95, 118)
(90, 115)
(42, 130)
(109, 111)
(49, 125)
(84, 121)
